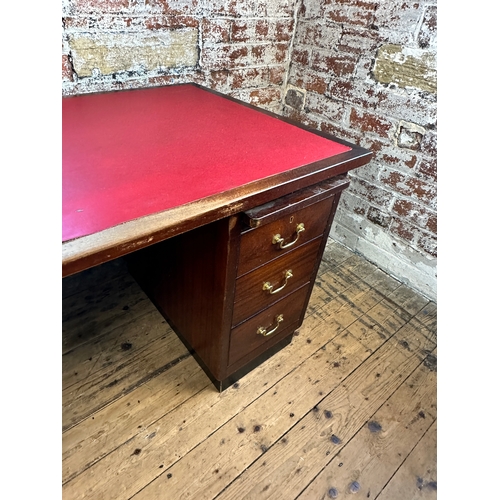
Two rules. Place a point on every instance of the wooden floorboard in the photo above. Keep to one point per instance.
(348, 407)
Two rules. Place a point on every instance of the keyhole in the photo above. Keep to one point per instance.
(291, 219)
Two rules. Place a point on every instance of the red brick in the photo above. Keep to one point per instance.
(300, 56)
(312, 10)
(101, 6)
(410, 186)
(399, 16)
(102, 22)
(324, 107)
(421, 239)
(403, 230)
(252, 77)
(283, 31)
(358, 209)
(294, 114)
(281, 52)
(233, 8)
(237, 53)
(402, 159)
(277, 75)
(429, 145)
(170, 22)
(374, 194)
(217, 78)
(416, 213)
(224, 57)
(428, 243)
(67, 70)
(75, 22)
(262, 29)
(369, 122)
(305, 34)
(163, 80)
(359, 40)
(240, 32)
(338, 64)
(340, 132)
(341, 89)
(374, 145)
(429, 168)
(393, 179)
(316, 84)
(269, 53)
(301, 117)
(354, 12)
(422, 190)
(258, 51)
(216, 30)
(260, 97)
(428, 30)
(172, 7)
(200, 77)
(359, 93)
(317, 35)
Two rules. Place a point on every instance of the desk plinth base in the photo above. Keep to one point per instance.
(222, 385)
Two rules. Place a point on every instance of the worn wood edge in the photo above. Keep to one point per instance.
(94, 249)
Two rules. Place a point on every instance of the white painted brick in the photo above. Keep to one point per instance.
(396, 258)
(110, 53)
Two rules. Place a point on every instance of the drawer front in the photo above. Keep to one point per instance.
(275, 280)
(265, 329)
(263, 244)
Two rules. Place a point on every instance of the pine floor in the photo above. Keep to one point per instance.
(348, 407)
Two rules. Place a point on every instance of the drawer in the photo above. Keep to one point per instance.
(260, 332)
(284, 275)
(277, 238)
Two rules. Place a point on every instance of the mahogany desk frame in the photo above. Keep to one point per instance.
(130, 237)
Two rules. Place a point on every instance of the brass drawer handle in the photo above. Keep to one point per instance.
(268, 287)
(263, 331)
(278, 239)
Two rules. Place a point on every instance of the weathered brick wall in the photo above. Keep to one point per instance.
(365, 70)
(240, 48)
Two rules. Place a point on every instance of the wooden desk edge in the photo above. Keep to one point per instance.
(88, 251)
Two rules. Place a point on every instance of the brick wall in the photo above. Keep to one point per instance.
(364, 70)
(240, 48)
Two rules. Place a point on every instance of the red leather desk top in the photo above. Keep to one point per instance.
(134, 153)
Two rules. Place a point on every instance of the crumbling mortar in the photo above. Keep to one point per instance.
(200, 45)
(286, 77)
(70, 60)
(418, 26)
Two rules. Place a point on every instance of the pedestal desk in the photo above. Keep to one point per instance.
(222, 211)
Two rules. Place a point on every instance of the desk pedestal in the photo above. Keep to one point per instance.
(237, 289)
